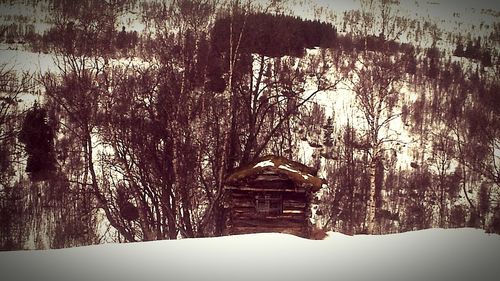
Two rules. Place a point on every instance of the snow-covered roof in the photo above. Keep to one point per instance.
(300, 174)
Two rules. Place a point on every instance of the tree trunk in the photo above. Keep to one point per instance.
(370, 206)
(147, 232)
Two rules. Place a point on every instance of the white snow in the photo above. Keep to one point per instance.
(288, 168)
(434, 254)
(25, 61)
(265, 163)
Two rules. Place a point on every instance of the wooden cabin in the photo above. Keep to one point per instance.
(272, 194)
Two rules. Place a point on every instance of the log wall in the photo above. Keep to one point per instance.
(245, 218)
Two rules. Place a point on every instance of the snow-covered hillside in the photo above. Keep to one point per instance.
(435, 254)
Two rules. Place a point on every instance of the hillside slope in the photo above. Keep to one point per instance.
(435, 254)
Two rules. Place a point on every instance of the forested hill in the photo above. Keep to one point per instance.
(277, 35)
(265, 34)
(273, 35)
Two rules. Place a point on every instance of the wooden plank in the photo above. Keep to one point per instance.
(294, 204)
(244, 209)
(268, 222)
(244, 223)
(252, 210)
(289, 196)
(297, 196)
(292, 217)
(293, 212)
(271, 177)
(289, 201)
(268, 228)
(294, 207)
(245, 188)
(242, 203)
(272, 184)
(242, 195)
(251, 201)
(302, 232)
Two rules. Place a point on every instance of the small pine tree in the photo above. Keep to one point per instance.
(121, 39)
(459, 50)
(38, 139)
(486, 58)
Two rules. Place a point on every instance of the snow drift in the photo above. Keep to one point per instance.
(435, 254)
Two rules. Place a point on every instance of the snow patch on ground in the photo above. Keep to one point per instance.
(434, 254)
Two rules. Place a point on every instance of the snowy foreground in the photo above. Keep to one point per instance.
(436, 254)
